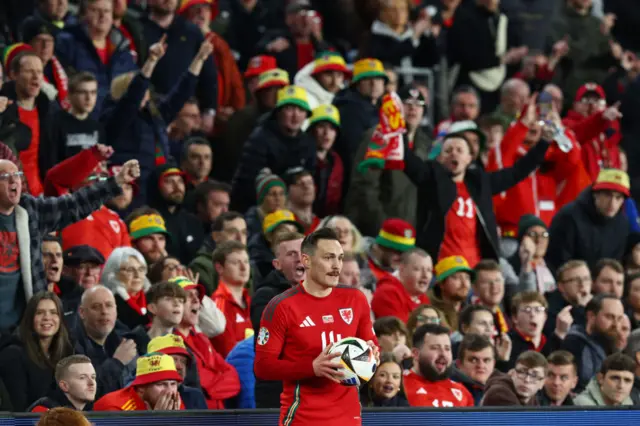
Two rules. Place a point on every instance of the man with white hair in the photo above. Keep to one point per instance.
(514, 95)
(96, 337)
(25, 220)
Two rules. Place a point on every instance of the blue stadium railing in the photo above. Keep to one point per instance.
(619, 416)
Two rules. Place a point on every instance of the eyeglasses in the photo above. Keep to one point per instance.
(532, 309)
(428, 320)
(15, 175)
(523, 374)
(131, 270)
(172, 267)
(578, 280)
(534, 234)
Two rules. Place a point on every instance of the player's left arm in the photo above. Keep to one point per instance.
(365, 326)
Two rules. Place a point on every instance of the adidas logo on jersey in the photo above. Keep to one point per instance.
(421, 391)
(307, 322)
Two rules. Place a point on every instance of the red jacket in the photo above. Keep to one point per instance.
(599, 139)
(538, 194)
(392, 299)
(219, 380)
(238, 318)
(70, 173)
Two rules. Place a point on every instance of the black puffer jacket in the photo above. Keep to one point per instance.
(579, 232)
(269, 147)
(261, 256)
(437, 193)
(357, 115)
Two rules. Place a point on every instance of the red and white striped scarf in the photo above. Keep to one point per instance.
(61, 82)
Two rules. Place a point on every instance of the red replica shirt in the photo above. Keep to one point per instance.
(102, 229)
(238, 319)
(295, 328)
(29, 157)
(460, 229)
(445, 393)
(392, 299)
(126, 399)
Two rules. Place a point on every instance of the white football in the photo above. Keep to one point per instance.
(357, 360)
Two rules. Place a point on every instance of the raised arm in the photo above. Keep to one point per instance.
(57, 213)
(186, 86)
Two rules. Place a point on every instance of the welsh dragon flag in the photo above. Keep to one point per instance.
(386, 150)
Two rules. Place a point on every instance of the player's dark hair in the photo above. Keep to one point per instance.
(218, 223)
(466, 316)
(423, 330)
(474, 343)
(310, 243)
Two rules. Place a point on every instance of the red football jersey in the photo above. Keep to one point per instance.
(420, 392)
(295, 328)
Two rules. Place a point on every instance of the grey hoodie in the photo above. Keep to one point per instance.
(592, 396)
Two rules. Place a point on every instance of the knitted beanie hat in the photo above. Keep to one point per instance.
(265, 181)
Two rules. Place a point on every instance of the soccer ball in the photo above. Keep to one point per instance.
(356, 357)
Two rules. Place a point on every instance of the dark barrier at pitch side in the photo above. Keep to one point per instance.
(619, 416)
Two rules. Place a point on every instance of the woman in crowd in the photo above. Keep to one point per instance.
(425, 314)
(125, 273)
(385, 387)
(164, 269)
(27, 364)
(350, 238)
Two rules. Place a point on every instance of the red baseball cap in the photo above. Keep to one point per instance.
(590, 89)
(259, 64)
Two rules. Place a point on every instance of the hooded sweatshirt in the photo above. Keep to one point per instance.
(592, 396)
(501, 392)
(589, 352)
(475, 388)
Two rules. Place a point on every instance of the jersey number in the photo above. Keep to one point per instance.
(331, 339)
(436, 403)
(465, 208)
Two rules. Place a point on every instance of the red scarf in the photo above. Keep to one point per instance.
(138, 302)
(61, 82)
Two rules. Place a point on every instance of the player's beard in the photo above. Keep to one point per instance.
(430, 373)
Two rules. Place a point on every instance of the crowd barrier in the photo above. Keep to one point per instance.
(618, 416)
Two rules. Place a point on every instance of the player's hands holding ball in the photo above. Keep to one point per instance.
(326, 366)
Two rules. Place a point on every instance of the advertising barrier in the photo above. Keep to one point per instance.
(618, 416)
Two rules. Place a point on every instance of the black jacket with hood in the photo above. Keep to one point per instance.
(437, 192)
(185, 228)
(269, 147)
(357, 115)
(267, 392)
(261, 256)
(579, 231)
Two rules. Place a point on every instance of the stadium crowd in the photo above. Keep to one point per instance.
(161, 162)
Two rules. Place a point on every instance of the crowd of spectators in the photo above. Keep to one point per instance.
(161, 162)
